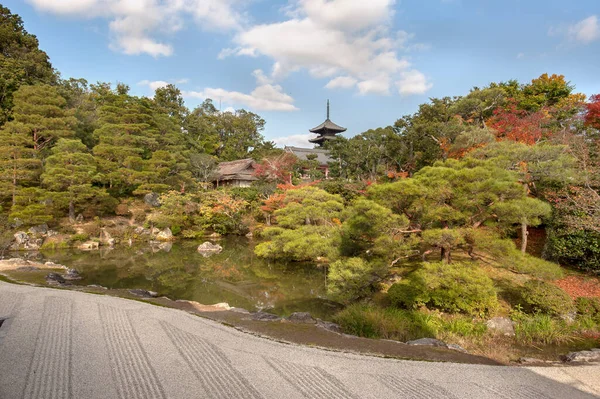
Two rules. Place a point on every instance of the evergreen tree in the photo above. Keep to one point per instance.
(42, 112)
(21, 61)
(69, 172)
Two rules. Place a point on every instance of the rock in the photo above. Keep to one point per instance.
(209, 247)
(51, 233)
(165, 235)
(71, 275)
(140, 230)
(427, 342)
(502, 325)
(263, 316)
(154, 230)
(329, 326)
(97, 286)
(144, 293)
(55, 278)
(215, 235)
(89, 246)
(152, 199)
(17, 223)
(301, 317)
(436, 343)
(21, 238)
(592, 355)
(79, 218)
(456, 347)
(41, 229)
(250, 235)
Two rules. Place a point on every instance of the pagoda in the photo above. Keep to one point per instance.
(326, 130)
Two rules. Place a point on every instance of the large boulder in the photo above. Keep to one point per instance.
(152, 199)
(21, 238)
(209, 247)
(502, 325)
(165, 235)
(41, 229)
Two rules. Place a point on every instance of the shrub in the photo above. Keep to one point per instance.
(351, 278)
(539, 296)
(581, 249)
(455, 287)
(80, 237)
(588, 306)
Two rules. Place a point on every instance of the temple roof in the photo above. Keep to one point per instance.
(241, 169)
(328, 125)
(302, 154)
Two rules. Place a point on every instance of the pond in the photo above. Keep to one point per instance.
(178, 271)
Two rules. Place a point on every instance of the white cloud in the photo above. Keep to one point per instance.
(265, 97)
(157, 84)
(412, 82)
(332, 39)
(295, 140)
(135, 24)
(344, 82)
(586, 30)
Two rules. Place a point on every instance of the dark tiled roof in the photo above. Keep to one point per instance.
(328, 125)
(301, 153)
(242, 169)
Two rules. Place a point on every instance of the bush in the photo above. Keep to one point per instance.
(352, 278)
(455, 287)
(581, 249)
(588, 306)
(539, 296)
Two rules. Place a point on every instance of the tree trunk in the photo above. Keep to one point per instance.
(71, 212)
(524, 234)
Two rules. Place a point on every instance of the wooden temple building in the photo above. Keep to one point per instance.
(326, 130)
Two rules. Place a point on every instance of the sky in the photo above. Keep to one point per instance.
(375, 60)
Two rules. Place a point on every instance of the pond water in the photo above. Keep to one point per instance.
(178, 271)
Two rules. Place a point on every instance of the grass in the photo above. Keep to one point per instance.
(403, 325)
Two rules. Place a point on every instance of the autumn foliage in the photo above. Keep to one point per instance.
(592, 115)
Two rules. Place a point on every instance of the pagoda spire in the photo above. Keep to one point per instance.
(326, 130)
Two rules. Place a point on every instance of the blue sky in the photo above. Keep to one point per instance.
(375, 60)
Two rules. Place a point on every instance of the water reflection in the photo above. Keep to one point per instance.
(177, 270)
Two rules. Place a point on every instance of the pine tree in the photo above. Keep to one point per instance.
(69, 172)
(42, 112)
(18, 164)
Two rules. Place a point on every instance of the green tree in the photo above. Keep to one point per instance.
(42, 112)
(21, 61)
(69, 172)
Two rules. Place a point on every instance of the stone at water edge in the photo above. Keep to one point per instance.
(55, 278)
(143, 293)
(165, 235)
(21, 237)
(592, 355)
(71, 275)
(503, 325)
(209, 247)
(89, 246)
(301, 317)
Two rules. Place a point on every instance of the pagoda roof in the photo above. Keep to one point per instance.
(328, 125)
